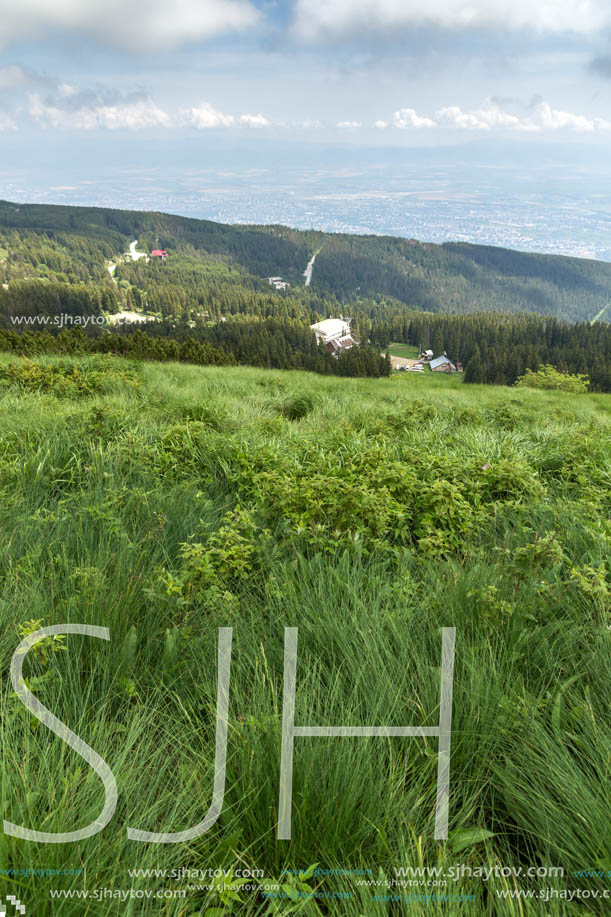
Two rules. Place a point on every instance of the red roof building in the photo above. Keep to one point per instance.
(159, 253)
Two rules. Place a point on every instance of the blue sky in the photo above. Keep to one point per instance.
(392, 72)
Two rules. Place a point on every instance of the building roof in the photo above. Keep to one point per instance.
(158, 252)
(331, 327)
(439, 361)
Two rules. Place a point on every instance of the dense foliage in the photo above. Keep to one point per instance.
(164, 502)
(271, 344)
(220, 269)
(461, 278)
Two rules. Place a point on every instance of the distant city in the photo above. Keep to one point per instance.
(551, 205)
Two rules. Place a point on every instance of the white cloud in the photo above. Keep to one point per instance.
(407, 117)
(548, 118)
(70, 108)
(254, 121)
(348, 125)
(316, 19)
(138, 25)
(543, 118)
(479, 120)
(539, 117)
(205, 116)
(86, 111)
(454, 116)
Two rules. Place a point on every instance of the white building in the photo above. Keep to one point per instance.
(334, 334)
(278, 283)
(329, 329)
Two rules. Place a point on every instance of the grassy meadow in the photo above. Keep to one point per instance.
(166, 501)
(398, 349)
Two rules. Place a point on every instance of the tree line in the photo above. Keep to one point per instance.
(269, 345)
(498, 349)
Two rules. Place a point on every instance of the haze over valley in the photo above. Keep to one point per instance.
(447, 194)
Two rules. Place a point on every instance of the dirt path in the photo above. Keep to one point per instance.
(308, 271)
(136, 255)
(401, 361)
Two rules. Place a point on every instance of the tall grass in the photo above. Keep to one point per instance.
(176, 500)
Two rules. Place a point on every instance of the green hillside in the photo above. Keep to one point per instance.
(164, 502)
(498, 312)
(223, 269)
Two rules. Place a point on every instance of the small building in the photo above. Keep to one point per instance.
(278, 283)
(442, 365)
(459, 366)
(426, 355)
(417, 368)
(336, 345)
(159, 253)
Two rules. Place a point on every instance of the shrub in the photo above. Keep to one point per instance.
(548, 377)
(66, 378)
(298, 407)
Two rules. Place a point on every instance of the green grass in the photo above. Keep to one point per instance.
(403, 350)
(164, 502)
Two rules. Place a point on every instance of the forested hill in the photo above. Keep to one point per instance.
(222, 269)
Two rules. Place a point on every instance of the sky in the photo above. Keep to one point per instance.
(391, 71)
(144, 82)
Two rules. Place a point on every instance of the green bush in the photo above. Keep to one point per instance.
(66, 378)
(298, 407)
(548, 377)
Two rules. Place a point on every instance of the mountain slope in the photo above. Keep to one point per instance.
(74, 245)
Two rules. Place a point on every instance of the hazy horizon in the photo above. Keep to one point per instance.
(481, 122)
(454, 193)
